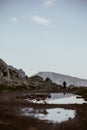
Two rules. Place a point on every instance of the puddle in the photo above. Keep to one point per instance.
(58, 98)
(68, 100)
(55, 115)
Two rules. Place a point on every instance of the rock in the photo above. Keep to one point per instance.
(3, 68)
(3, 65)
(10, 76)
(20, 72)
(35, 81)
(48, 80)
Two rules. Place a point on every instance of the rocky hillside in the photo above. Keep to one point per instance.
(60, 78)
(10, 76)
(37, 82)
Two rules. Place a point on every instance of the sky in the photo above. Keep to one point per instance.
(44, 35)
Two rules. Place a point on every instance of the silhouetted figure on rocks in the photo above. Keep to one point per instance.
(64, 85)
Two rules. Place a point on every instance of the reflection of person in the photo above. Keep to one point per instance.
(49, 96)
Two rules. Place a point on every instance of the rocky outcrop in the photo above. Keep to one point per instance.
(3, 68)
(20, 72)
(48, 81)
(10, 76)
(36, 79)
(37, 82)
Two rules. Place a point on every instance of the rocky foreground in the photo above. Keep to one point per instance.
(11, 118)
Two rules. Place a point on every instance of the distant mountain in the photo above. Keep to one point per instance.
(60, 78)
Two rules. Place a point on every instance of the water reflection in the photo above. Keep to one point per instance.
(57, 98)
(55, 115)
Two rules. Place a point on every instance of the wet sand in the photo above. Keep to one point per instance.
(11, 119)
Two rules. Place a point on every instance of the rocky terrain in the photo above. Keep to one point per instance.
(16, 78)
(13, 102)
(60, 78)
(12, 77)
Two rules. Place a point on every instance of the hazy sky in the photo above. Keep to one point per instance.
(45, 35)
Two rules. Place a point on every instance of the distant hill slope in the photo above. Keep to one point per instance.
(60, 78)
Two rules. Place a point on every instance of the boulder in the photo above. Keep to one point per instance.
(10, 76)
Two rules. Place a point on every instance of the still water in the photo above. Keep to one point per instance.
(55, 115)
(58, 98)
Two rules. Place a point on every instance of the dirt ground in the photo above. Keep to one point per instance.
(11, 119)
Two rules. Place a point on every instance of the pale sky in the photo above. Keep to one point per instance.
(44, 35)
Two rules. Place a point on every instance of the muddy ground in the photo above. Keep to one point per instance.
(11, 118)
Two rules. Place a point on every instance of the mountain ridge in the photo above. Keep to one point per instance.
(11, 76)
(60, 78)
(62, 74)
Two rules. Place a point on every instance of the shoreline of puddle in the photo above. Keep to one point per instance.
(56, 98)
